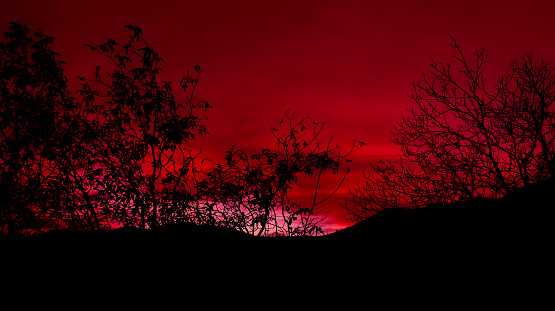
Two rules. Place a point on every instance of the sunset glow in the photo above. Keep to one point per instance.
(347, 63)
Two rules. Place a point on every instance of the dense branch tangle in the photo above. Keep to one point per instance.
(146, 133)
(121, 156)
(40, 174)
(251, 193)
(464, 138)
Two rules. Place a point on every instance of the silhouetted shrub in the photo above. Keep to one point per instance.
(42, 149)
(251, 193)
(144, 134)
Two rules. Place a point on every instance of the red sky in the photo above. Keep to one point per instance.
(349, 63)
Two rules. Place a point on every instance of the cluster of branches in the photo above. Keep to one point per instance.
(251, 193)
(466, 138)
(145, 133)
(121, 154)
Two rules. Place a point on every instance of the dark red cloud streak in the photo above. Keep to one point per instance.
(349, 63)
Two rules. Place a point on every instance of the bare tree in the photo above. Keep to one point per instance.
(465, 137)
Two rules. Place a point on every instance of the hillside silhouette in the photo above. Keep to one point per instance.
(518, 223)
(75, 167)
(483, 245)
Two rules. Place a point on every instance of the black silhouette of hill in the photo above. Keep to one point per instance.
(519, 218)
(517, 215)
(506, 242)
(518, 225)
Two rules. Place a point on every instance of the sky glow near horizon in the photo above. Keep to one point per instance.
(347, 63)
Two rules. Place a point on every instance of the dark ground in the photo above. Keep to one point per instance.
(486, 244)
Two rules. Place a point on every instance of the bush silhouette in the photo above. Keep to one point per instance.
(251, 193)
(41, 148)
(143, 174)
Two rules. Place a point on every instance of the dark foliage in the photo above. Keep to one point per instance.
(41, 146)
(116, 158)
(251, 193)
(120, 157)
(144, 159)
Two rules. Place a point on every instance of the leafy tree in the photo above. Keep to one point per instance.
(252, 193)
(143, 153)
(40, 186)
(466, 137)
(121, 155)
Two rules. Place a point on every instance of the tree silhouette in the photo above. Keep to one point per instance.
(466, 138)
(144, 158)
(120, 156)
(41, 146)
(251, 193)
